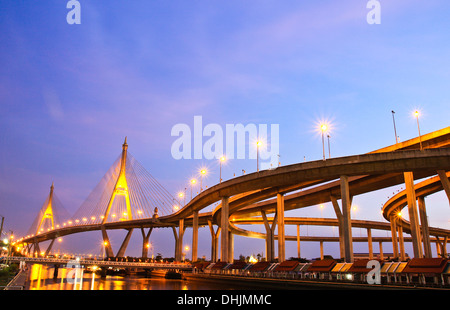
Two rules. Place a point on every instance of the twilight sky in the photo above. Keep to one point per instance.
(69, 94)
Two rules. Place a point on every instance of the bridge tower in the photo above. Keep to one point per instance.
(48, 212)
(121, 189)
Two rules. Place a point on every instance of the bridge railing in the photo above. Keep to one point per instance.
(45, 260)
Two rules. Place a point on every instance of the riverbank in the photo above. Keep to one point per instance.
(291, 284)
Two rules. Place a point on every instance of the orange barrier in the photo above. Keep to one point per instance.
(287, 266)
(324, 265)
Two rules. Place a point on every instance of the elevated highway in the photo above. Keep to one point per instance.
(298, 186)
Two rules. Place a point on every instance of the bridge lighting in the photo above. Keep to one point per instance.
(221, 160)
(416, 114)
(59, 239)
(193, 181)
(202, 173)
(399, 214)
(258, 145)
(323, 129)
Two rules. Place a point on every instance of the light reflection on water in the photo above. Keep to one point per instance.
(40, 277)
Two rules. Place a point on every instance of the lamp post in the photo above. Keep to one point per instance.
(202, 173)
(395, 130)
(329, 149)
(258, 145)
(221, 160)
(193, 181)
(416, 114)
(323, 128)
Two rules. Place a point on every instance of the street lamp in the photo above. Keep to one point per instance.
(416, 114)
(221, 160)
(202, 173)
(193, 181)
(181, 195)
(395, 129)
(329, 150)
(323, 128)
(258, 145)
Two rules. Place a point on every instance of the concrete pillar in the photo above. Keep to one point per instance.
(195, 236)
(298, 241)
(445, 182)
(401, 242)
(107, 243)
(321, 249)
(179, 240)
(214, 242)
(281, 236)
(270, 238)
(338, 212)
(413, 218)
(369, 241)
(346, 220)
(393, 221)
(424, 226)
(145, 241)
(124, 245)
(230, 247)
(381, 250)
(224, 226)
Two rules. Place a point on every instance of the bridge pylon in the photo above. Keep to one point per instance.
(121, 189)
(47, 212)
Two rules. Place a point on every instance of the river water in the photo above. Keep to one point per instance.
(41, 277)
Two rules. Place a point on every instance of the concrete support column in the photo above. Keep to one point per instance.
(298, 241)
(124, 245)
(445, 182)
(224, 226)
(214, 242)
(381, 250)
(393, 221)
(413, 218)
(338, 212)
(179, 240)
(321, 249)
(424, 226)
(145, 241)
(270, 236)
(107, 243)
(195, 236)
(401, 242)
(369, 241)
(441, 247)
(230, 247)
(346, 220)
(281, 236)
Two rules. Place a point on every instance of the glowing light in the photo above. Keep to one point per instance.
(323, 127)
(203, 171)
(193, 181)
(416, 113)
(223, 158)
(252, 259)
